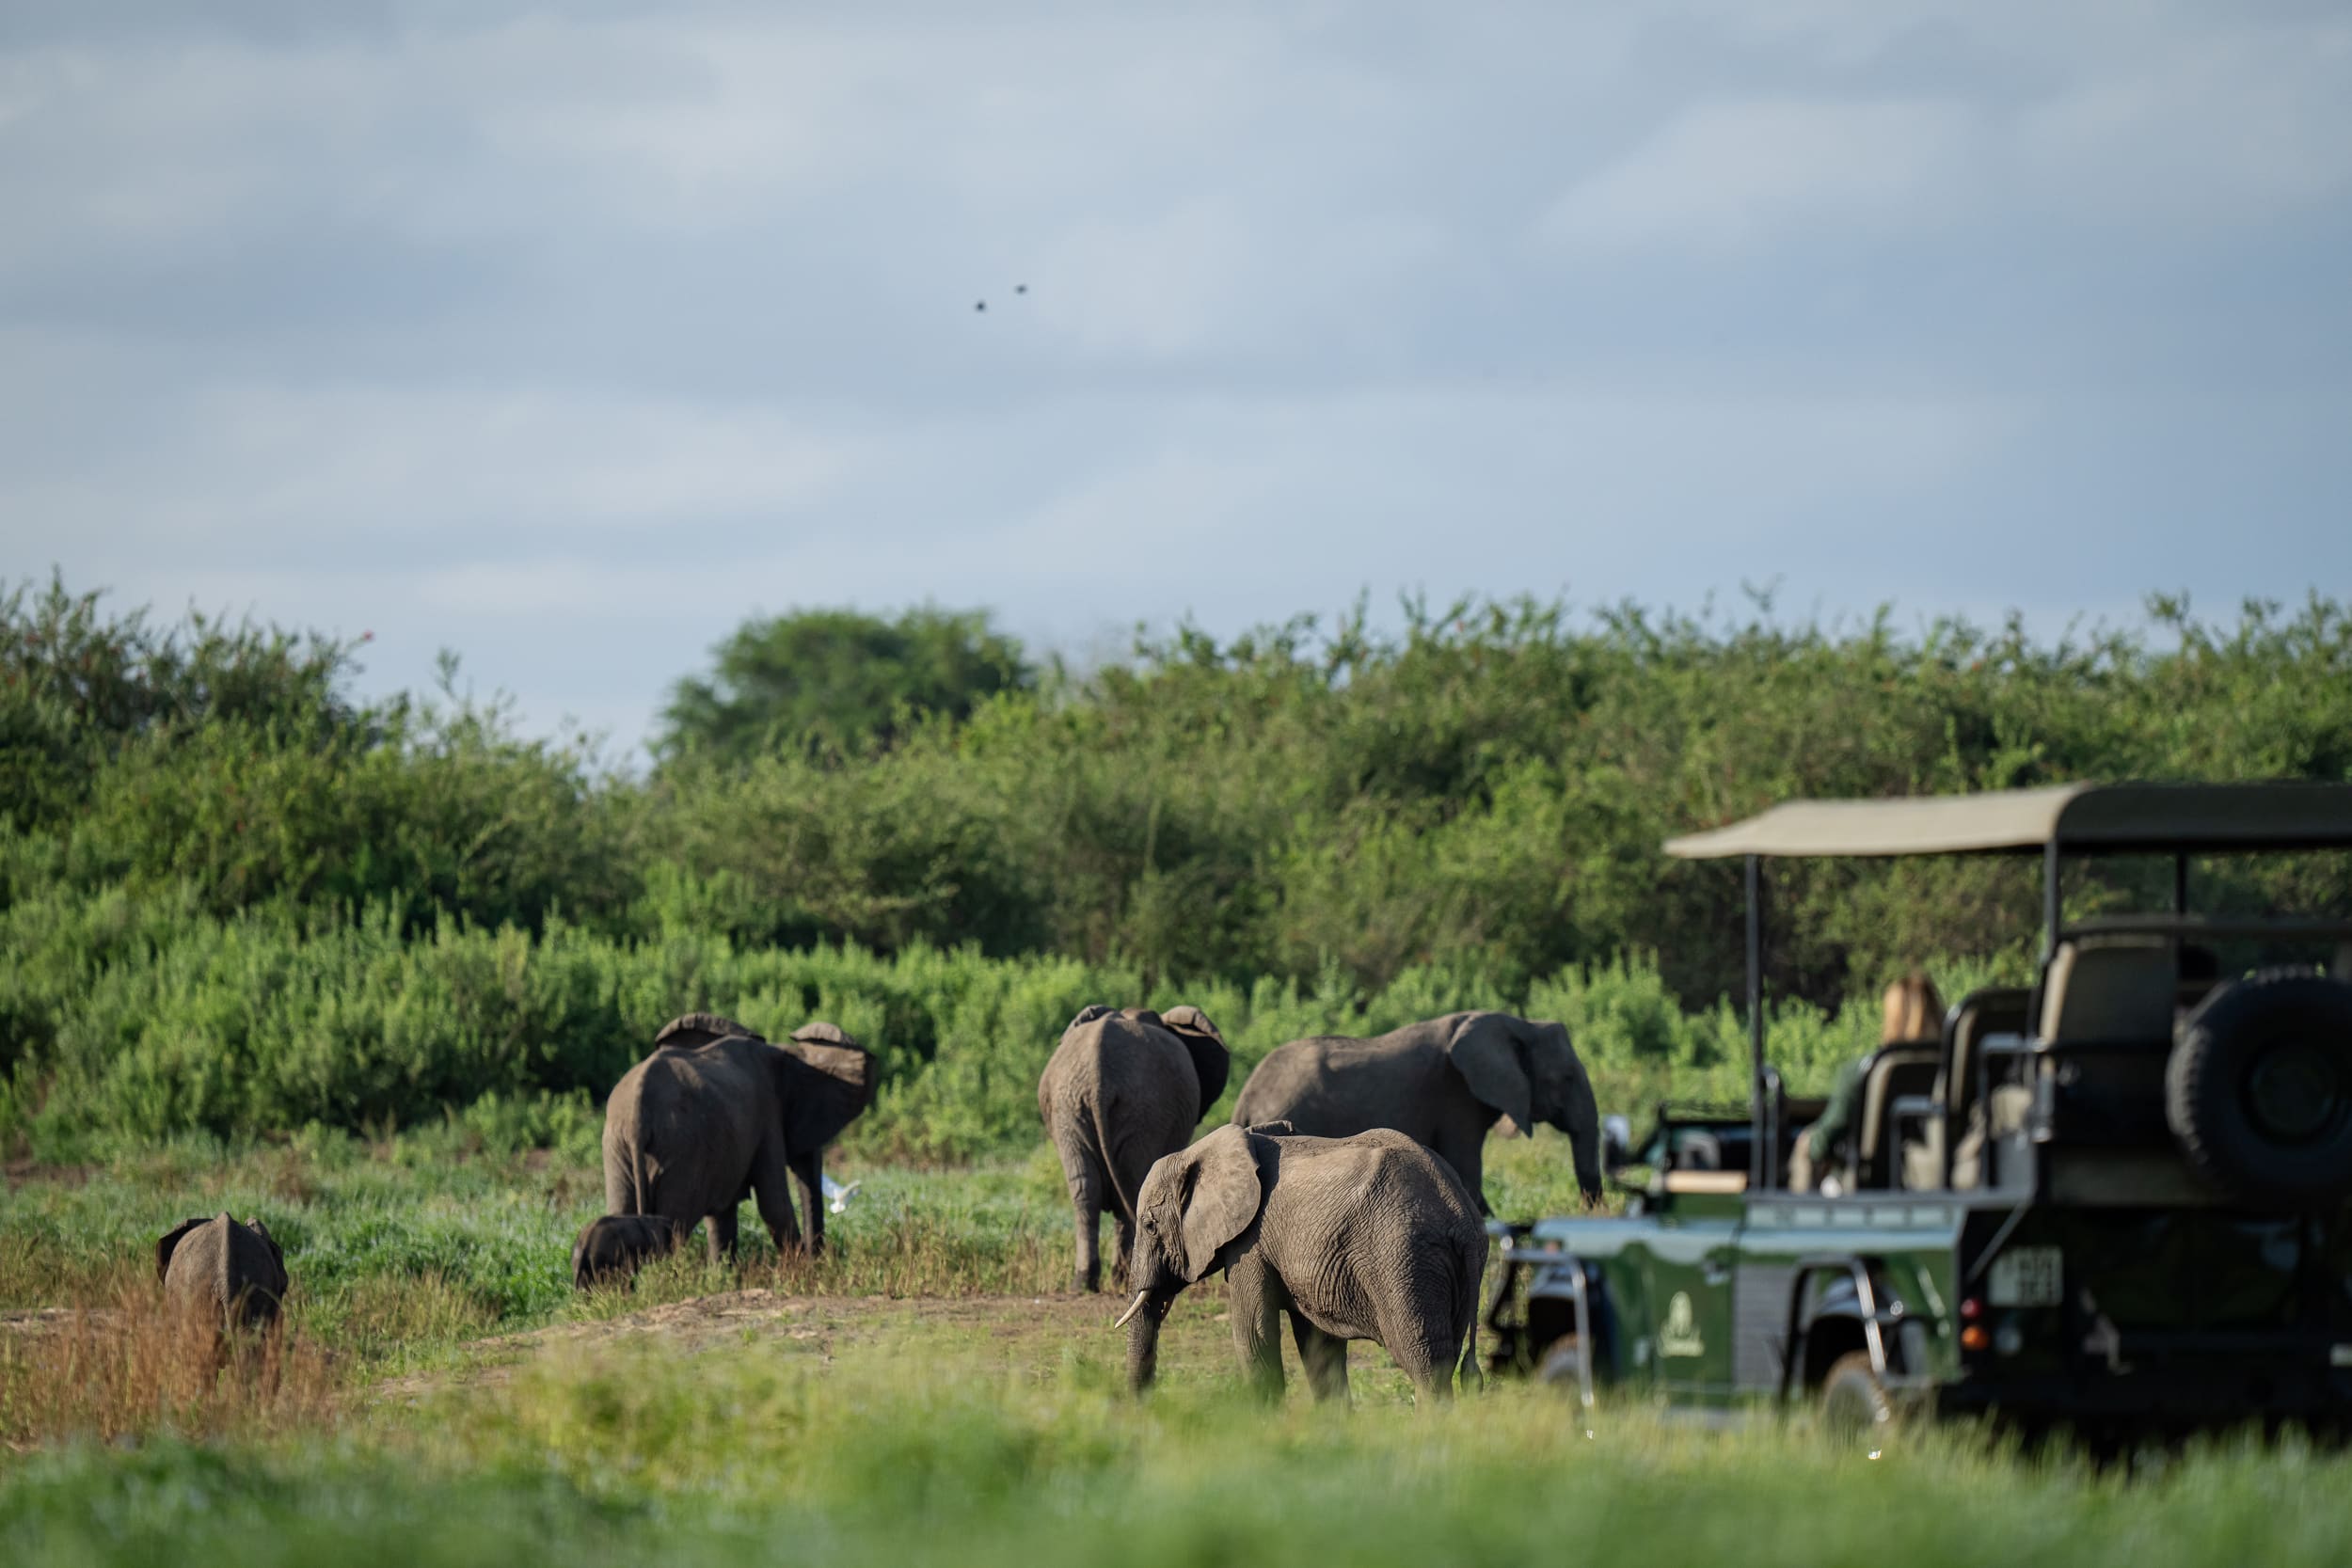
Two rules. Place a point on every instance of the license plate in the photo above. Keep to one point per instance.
(2025, 1276)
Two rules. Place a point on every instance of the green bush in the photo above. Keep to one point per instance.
(232, 897)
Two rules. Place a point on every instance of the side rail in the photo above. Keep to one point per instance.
(1853, 1296)
(1566, 1278)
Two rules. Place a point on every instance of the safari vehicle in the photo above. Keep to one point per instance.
(2113, 1201)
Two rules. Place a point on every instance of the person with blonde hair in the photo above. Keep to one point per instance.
(1911, 1010)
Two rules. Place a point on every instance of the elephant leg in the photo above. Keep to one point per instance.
(1324, 1356)
(1083, 1175)
(721, 1237)
(771, 1187)
(1124, 1229)
(1254, 1300)
(1422, 1331)
(809, 1171)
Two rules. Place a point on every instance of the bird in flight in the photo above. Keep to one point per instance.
(981, 305)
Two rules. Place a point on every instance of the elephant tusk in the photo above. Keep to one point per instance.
(1132, 1307)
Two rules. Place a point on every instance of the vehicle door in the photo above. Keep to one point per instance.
(1691, 1278)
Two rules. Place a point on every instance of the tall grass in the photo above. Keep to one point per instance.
(929, 1444)
(131, 1363)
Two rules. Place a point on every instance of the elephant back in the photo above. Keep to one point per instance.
(689, 1030)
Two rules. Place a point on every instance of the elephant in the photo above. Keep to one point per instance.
(611, 1247)
(1441, 1083)
(233, 1274)
(1123, 1088)
(717, 1113)
(1370, 1237)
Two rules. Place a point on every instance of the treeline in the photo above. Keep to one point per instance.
(1328, 809)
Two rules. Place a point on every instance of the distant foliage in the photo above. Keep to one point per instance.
(835, 681)
(244, 1026)
(233, 897)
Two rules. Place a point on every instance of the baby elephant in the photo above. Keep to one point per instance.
(1370, 1237)
(233, 1272)
(612, 1247)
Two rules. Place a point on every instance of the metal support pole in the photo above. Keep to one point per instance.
(2180, 884)
(2051, 908)
(1760, 1156)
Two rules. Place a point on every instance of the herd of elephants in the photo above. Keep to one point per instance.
(1345, 1194)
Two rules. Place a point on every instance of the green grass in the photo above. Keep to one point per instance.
(934, 1447)
(927, 1397)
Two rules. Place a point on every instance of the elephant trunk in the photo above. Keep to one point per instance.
(1582, 1123)
(1142, 1318)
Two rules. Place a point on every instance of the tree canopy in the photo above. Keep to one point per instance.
(835, 680)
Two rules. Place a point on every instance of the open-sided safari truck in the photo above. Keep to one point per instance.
(2114, 1200)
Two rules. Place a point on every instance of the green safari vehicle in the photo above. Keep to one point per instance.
(2114, 1201)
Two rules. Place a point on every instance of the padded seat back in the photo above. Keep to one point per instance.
(1896, 1071)
(1994, 1011)
(2110, 989)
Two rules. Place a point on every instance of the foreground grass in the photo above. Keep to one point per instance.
(941, 1444)
(924, 1398)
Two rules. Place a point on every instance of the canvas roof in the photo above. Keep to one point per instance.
(2112, 817)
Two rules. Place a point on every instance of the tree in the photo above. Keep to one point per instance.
(836, 680)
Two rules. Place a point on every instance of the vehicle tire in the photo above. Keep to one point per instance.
(1854, 1407)
(1557, 1367)
(2258, 1090)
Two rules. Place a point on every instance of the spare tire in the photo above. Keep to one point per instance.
(2259, 1089)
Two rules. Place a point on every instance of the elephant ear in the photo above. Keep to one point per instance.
(1486, 1052)
(1221, 1194)
(1211, 1061)
(277, 1259)
(262, 1230)
(830, 1080)
(170, 1243)
(1088, 1013)
(689, 1030)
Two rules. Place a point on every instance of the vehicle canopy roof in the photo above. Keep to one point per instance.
(2098, 818)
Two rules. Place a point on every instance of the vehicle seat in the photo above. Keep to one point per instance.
(1894, 1072)
(2111, 988)
(1994, 1011)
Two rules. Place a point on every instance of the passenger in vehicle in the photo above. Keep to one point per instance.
(1911, 1010)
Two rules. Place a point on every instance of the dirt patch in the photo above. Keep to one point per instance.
(1014, 1330)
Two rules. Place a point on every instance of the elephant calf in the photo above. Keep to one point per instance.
(1443, 1083)
(233, 1273)
(1123, 1090)
(1363, 1238)
(612, 1247)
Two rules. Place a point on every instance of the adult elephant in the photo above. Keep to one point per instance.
(1123, 1088)
(717, 1113)
(1441, 1083)
(1363, 1238)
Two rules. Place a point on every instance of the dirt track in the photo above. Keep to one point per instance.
(1015, 1330)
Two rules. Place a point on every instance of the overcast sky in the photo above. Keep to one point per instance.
(566, 336)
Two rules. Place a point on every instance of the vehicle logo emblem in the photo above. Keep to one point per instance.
(1679, 1334)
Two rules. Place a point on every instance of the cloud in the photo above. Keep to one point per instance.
(567, 337)
(1738, 176)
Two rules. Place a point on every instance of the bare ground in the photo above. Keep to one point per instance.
(1017, 1332)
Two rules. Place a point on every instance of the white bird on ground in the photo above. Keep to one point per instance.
(837, 1196)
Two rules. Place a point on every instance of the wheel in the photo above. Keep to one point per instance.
(1558, 1366)
(1854, 1406)
(2259, 1089)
